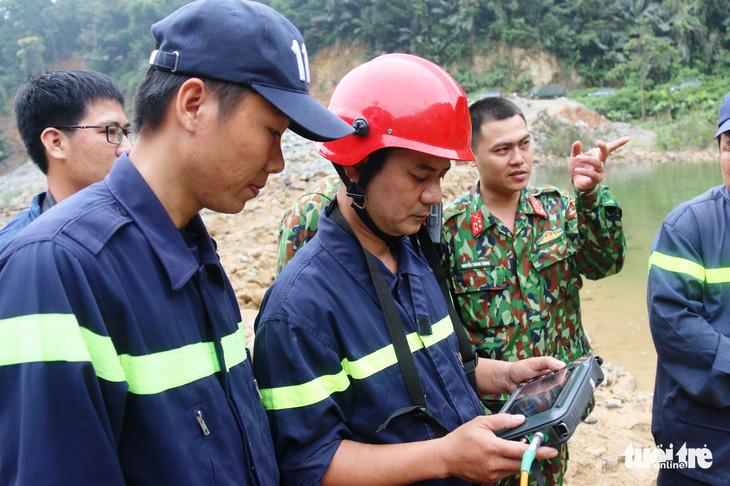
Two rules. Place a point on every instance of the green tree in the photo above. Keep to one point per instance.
(338, 19)
(134, 41)
(20, 19)
(30, 52)
(61, 30)
(462, 20)
(687, 26)
(99, 42)
(647, 53)
(715, 46)
(384, 20)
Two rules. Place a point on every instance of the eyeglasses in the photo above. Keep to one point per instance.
(114, 132)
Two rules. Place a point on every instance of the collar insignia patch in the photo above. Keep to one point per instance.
(537, 207)
(477, 223)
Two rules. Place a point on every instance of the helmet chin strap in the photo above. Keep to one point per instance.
(356, 192)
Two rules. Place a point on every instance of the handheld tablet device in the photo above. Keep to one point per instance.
(554, 403)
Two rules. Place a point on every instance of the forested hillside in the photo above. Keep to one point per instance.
(637, 45)
(596, 37)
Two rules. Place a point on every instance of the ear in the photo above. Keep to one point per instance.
(355, 171)
(190, 104)
(55, 142)
(473, 162)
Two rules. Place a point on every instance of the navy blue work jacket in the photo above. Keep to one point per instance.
(326, 365)
(122, 357)
(23, 219)
(689, 315)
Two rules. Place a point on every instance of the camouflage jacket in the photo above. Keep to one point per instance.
(299, 224)
(518, 295)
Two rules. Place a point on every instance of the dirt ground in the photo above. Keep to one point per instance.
(622, 417)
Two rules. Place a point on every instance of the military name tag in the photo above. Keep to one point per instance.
(473, 264)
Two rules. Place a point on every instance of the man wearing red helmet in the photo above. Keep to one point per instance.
(356, 354)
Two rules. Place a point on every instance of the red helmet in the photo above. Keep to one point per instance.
(404, 101)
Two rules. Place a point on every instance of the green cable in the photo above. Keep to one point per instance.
(529, 454)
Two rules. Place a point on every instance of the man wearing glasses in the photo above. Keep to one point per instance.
(74, 128)
(122, 350)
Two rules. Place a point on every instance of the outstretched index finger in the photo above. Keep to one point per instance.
(611, 146)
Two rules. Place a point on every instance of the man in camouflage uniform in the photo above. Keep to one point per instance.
(515, 254)
(299, 224)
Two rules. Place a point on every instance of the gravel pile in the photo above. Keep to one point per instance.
(573, 113)
(18, 188)
(303, 162)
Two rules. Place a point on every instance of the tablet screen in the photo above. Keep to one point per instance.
(540, 395)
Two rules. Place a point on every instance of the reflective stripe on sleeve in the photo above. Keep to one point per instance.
(322, 387)
(717, 275)
(58, 337)
(103, 355)
(677, 265)
(41, 337)
(688, 267)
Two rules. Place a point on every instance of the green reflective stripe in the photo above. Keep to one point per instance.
(155, 373)
(58, 337)
(41, 337)
(322, 387)
(372, 363)
(677, 265)
(682, 265)
(379, 360)
(305, 394)
(103, 356)
(441, 330)
(717, 275)
(234, 347)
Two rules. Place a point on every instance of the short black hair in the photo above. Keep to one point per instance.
(487, 110)
(58, 98)
(157, 89)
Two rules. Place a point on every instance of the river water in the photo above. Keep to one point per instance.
(614, 308)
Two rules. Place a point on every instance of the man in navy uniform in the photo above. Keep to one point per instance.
(122, 354)
(689, 316)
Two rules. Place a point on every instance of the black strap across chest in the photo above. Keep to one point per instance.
(418, 409)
